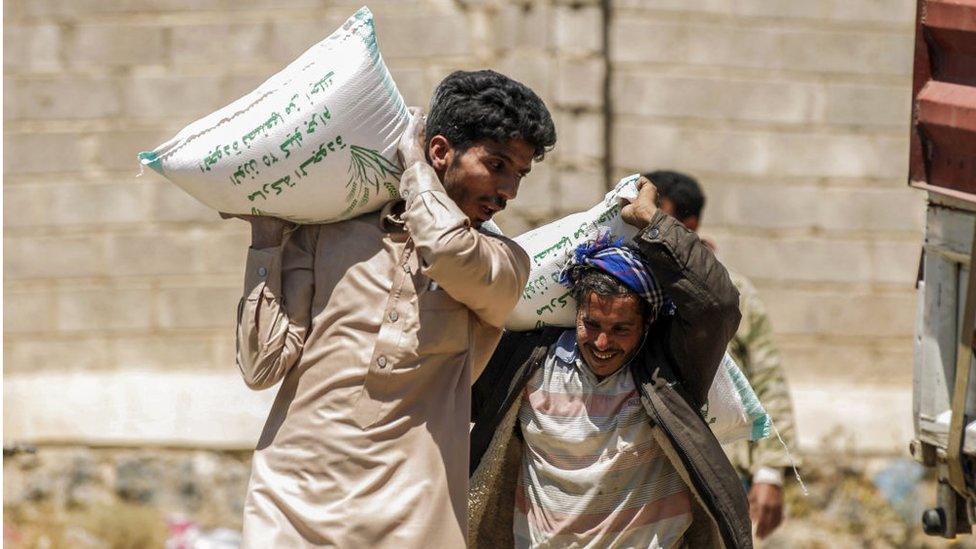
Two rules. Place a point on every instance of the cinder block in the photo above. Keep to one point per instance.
(28, 311)
(841, 313)
(873, 361)
(59, 97)
(118, 150)
(580, 83)
(898, 209)
(41, 257)
(412, 86)
(801, 153)
(76, 8)
(289, 39)
(533, 70)
(895, 262)
(822, 260)
(901, 12)
(799, 259)
(31, 153)
(180, 97)
(521, 27)
(169, 253)
(442, 35)
(172, 204)
(764, 206)
(169, 352)
(578, 190)
(580, 137)
(862, 105)
(198, 307)
(847, 52)
(31, 47)
(25, 205)
(659, 42)
(715, 44)
(96, 204)
(225, 253)
(220, 44)
(694, 6)
(652, 93)
(578, 30)
(55, 353)
(104, 309)
(116, 45)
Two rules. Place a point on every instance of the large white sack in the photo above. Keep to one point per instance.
(733, 410)
(546, 302)
(314, 143)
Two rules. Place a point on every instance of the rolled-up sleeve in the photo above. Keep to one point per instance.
(487, 273)
(274, 313)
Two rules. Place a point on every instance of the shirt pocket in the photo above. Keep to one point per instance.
(443, 323)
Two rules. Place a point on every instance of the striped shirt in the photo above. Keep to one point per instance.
(592, 473)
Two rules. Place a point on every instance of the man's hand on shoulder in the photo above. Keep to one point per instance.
(266, 232)
(411, 146)
(639, 212)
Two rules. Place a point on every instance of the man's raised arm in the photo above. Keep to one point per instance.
(274, 313)
(707, 302)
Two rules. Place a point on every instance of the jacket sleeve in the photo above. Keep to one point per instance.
(274, 313)
(484, 272)
(760, 359)
(707, 303)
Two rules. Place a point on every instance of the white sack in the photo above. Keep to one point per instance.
(314, 143)
(546, 302)
(733, 410)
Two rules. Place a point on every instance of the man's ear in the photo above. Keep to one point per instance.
(441, 154)
(691, 222)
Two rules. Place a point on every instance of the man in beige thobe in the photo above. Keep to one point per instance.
(376, 328)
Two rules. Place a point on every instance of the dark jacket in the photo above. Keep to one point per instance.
(673, 374)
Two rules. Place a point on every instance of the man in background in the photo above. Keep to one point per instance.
(761, 464)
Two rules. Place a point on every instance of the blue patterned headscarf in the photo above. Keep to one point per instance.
(623, 263)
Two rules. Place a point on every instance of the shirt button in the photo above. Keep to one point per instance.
(381, 362)
(653, 232)
(394, 316)
(262, 271)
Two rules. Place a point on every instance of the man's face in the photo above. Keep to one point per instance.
(483, 178)
(608, 331)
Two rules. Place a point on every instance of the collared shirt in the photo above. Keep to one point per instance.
(376, 327)
(592, 472)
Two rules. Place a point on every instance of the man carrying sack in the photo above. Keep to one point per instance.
(592, 437)
(376, 327)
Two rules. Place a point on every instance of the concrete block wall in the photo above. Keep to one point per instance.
(128, 287)
(794, 116)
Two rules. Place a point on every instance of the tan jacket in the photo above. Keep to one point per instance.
(376, 328)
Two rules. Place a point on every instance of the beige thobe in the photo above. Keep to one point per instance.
(376, 326)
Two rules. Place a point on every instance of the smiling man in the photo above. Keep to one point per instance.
(376, 327)
(592, 437)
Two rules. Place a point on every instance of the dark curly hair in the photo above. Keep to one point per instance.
(471, 106)
(681, 189)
